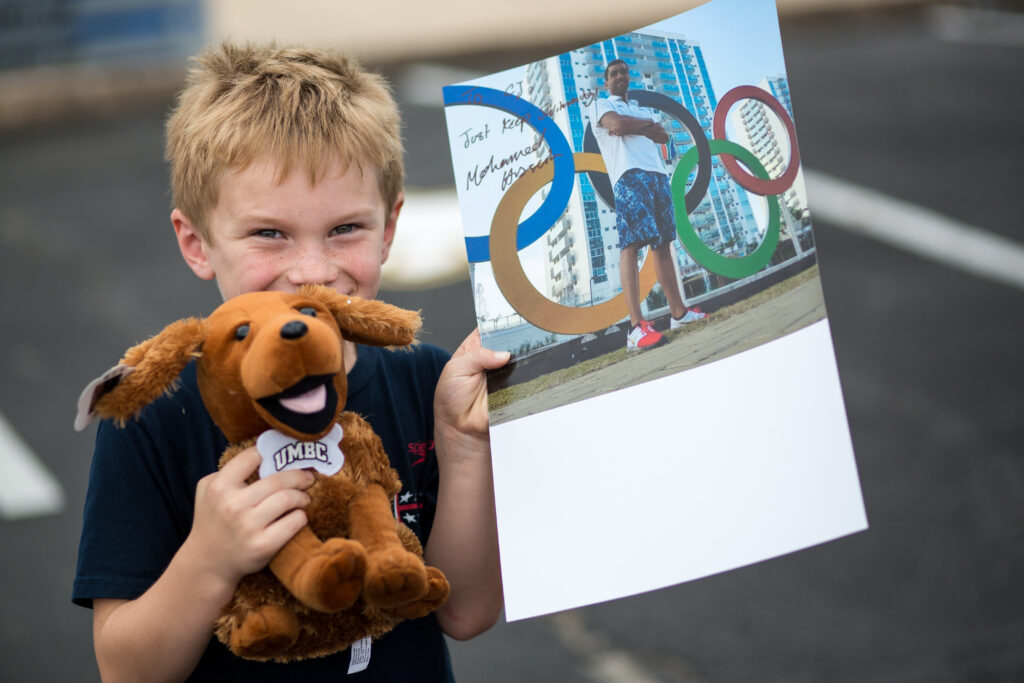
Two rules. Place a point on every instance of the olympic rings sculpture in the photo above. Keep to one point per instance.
(723, 265)
(508, 235)
(517, 288)
(746, 181)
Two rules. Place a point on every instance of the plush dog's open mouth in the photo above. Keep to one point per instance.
(308, 406)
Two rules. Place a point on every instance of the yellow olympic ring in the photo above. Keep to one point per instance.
(517, 288)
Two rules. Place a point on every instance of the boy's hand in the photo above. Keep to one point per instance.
(239, 527)
(460, 400)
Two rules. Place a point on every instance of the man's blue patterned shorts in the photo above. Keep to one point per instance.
(643, 208)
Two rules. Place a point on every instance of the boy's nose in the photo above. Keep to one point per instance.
(312, 266)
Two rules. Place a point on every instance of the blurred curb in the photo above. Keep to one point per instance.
(446, 29)
(49, 94)
(429, 251)
(44, 95)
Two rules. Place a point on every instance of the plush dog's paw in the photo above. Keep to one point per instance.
(265, 632)
(330, 579)
(437, 593)
(393, 577)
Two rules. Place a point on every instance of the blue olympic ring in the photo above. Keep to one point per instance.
(531, 229)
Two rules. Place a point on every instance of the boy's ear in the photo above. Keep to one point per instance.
(146, 371)
(389, 227)
(192, 245)
(367, 321)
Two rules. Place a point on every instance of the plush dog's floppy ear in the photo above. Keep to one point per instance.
(366, 321)
(146, 371)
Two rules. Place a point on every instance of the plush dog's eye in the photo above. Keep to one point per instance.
(241, 332)
(308, 310)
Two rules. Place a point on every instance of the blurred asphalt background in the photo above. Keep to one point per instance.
(920, 102)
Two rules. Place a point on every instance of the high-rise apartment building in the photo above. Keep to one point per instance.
(583, 250)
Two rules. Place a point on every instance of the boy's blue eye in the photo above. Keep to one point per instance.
(343, 229)
(267, 233)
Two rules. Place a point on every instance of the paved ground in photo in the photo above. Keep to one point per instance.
(687, 348)
(929, 358)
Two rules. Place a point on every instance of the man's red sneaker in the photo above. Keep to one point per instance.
(643, 337)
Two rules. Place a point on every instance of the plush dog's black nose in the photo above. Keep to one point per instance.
(293, 329)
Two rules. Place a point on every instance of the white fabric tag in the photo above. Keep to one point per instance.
(360, 656)
(281, 452)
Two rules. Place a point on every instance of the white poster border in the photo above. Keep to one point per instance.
(648, 486)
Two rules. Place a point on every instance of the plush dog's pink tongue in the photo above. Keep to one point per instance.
(310, 402)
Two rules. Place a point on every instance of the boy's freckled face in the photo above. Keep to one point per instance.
(278, 234)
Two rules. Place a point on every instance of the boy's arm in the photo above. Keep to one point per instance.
(237, 529)
(464, 538)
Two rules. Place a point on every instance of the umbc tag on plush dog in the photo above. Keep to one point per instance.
(273, 361)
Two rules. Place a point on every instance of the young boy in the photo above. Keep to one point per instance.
(286, 169)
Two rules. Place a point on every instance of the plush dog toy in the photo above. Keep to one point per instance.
(270, 364)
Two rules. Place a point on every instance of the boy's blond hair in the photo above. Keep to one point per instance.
(290, 105)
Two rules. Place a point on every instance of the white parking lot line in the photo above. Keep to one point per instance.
(431, 250)
(916, 229)
(27, 489)
(600, 660)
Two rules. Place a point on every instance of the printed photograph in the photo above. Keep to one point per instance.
(634, 208)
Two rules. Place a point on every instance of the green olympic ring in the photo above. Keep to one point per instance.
(735, 268)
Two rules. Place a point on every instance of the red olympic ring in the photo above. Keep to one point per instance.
(743, 178)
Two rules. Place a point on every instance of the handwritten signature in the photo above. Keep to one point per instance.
(508, 166)
(512, 166)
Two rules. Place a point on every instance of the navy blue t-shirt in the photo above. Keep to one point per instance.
(138, 510)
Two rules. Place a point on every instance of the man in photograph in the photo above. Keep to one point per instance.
(629, 140)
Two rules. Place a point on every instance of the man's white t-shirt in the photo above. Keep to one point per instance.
(623, 152)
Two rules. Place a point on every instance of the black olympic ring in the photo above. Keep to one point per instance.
(656, 100)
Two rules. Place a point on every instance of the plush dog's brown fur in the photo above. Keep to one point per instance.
(354, 570)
